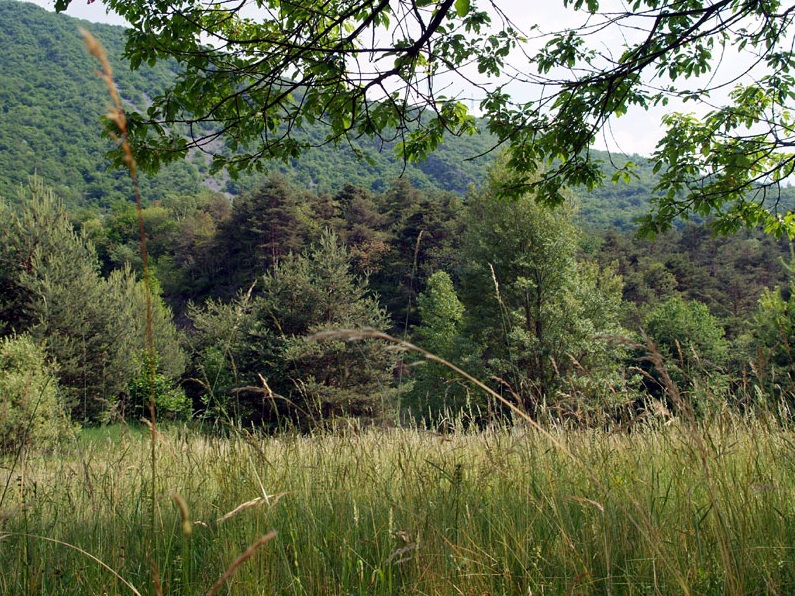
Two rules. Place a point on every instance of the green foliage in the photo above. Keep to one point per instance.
(223, 352)
(55, 101)
(728, 274)
(441, 312)
(170, 401)
(371, 164)
(396, 239)
(264, 96)
(743, 149)
(771, 347)
(65, 303)
(437, 391)
(687, 332)
(31, 413)
(534, 308)
(257, 363)
(51, 102)
(92, 327)
(265, 226)
(314, 293)
(424, 236)
(170, 359)
(617, 205)
(692, 344)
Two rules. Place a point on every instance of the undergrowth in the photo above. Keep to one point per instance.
(409, 511)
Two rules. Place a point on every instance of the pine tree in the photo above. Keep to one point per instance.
(265, 226)
(91, 327)
(316, 292)
(266, 338)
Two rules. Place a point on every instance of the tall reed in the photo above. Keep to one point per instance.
(116, 116)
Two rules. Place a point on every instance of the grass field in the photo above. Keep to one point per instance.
(666, 510)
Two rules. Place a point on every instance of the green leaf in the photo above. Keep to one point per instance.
(462, 7)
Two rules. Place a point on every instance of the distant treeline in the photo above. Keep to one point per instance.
(513, 292)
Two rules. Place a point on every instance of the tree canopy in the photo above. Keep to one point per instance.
(255, 72)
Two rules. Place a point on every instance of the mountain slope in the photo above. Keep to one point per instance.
(51, 102)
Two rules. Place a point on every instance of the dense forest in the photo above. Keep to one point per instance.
(557, 309)
(52, 101)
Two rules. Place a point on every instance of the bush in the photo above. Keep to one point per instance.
(31, 414)
(170, 400)
(686, 332)
(695, 350)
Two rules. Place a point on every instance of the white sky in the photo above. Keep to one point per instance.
(636, 132)
(80, 9)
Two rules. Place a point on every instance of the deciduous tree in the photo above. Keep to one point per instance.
(534, 308)
(437, 391)
(254, 72)
(31, 413)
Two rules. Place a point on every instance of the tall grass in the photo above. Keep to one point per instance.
(117, 116)
(407, 511)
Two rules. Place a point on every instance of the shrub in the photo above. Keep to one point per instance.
(692, 344)
(170, 399)
(31, 414)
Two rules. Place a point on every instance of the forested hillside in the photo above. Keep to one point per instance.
(52, 100)
(51, 103)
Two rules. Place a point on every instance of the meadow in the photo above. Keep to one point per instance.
(663, 509)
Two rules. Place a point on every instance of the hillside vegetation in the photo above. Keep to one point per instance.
(52, 102)
(528, 297)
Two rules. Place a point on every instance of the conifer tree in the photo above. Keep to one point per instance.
(317, 292)
(90, 327)
(265, 226)
(267, 338)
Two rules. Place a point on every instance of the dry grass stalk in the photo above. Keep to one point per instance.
(269, 499)
(116, 115)
(187, 527)
(156, 581)
(239, 508)
(249, 552)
